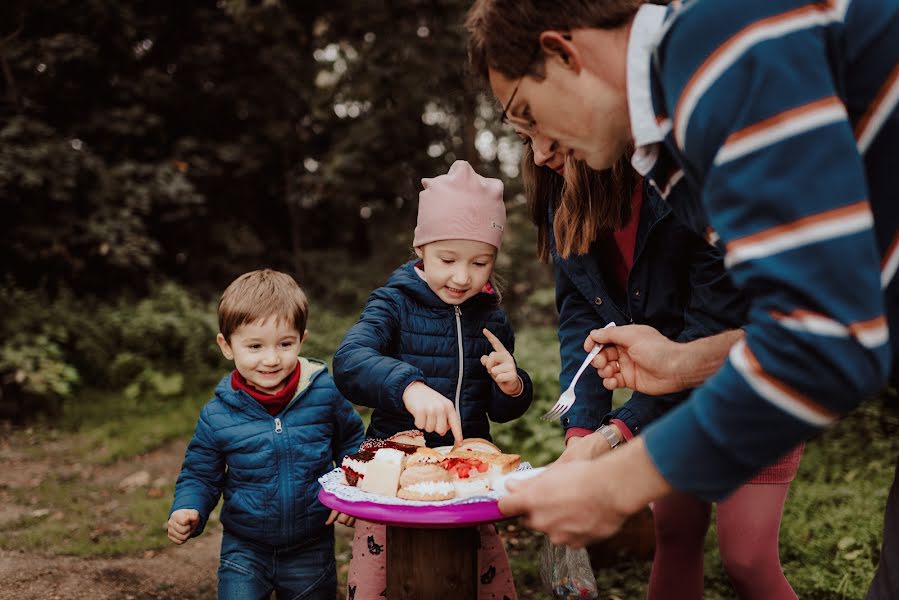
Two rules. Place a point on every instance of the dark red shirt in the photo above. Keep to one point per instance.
(273, 403)
(620, 247)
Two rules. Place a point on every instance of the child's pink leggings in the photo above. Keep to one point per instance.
(748, 525)
(367, 579)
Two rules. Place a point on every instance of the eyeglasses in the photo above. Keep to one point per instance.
(520, 127)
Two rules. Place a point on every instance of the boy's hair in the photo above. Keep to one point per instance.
(585, 202)
(259, 295)
(504, 35)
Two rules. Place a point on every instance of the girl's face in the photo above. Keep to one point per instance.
(456, 270)
(264, 352)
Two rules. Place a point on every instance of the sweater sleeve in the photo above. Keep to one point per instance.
(754, 113)
(363, 370)
(199, 485)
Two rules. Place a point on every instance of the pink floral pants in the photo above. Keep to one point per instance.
(367, 579)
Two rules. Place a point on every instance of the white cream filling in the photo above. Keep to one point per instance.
(430, 487)
(356, 465)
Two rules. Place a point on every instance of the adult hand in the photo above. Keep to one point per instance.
(501, 367)
(182, 524)
(432, 410)
(577, 502)
(587, 447)
(637, 357)
(341, 518)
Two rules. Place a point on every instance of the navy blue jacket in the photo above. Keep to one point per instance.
(677, 285)
(268, 467)
(406, 333)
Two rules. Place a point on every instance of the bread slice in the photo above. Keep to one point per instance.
(500, 464)
(413, 437)
(424, 456)
(477, 445)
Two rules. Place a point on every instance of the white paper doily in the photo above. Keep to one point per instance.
(331, 484)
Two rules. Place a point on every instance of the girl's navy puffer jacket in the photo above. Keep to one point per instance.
(273, 464)
(407, 333)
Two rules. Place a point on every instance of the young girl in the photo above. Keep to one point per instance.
(433, 350)
(619, 254)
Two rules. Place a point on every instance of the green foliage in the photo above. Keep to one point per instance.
(52, 347)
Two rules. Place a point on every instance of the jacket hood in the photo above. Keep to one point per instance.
(310, 369)
(408, 281)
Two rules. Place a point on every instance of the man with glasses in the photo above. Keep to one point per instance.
(780, 119)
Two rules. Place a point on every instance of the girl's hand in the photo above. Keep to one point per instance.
(501, 367)
(587, 447)
(340, 518)
(181, 524)
(432, 411)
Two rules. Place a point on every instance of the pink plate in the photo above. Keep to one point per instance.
(426, 517)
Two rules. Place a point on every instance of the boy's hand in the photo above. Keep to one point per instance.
(432, 411)
(501, 367)
(181, 524)
(341, 518)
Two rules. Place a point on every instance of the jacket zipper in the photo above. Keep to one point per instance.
(286, 492)
(458, 313)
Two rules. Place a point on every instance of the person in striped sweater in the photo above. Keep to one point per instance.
(780, 118)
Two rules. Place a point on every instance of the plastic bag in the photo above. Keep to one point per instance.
(566, 572)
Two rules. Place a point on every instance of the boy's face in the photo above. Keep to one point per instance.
(264, 352)
(580, 107)
(456, 270)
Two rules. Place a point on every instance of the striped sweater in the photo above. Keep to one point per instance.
(781, 117)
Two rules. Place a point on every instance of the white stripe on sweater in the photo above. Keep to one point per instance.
(774, 391)
(779, 130)
(733, 49)
(790, 237)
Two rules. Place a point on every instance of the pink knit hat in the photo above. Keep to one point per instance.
(460, 205)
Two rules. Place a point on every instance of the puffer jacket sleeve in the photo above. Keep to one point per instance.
(363, 371)
(349, 431)
(202, 476)
(502, 407)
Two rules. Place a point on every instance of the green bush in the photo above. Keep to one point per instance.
(52, 347)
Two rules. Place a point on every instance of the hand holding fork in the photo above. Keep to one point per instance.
(566, 400)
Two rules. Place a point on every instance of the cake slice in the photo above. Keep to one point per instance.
(382, 473)
(353, 466)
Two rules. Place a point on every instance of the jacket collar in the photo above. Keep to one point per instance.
(310, 370)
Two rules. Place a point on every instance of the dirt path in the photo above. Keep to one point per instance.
(185, 572)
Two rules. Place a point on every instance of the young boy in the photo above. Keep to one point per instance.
(276, 424)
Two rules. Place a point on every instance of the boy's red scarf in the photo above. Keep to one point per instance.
(273, 403)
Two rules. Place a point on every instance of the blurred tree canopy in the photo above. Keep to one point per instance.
(151, 151)
(196, 140)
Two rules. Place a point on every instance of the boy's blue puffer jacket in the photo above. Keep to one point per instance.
(407, 333)
(273, 463)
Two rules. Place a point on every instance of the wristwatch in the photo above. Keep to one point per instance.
(611, 434)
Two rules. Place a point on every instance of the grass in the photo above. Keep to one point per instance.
(830, 538)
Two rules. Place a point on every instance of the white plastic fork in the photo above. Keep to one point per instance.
(566, 400)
